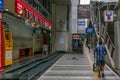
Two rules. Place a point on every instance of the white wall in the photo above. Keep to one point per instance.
(21, 33)
(61, 39)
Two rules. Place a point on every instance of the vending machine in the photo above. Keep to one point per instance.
(8, 47)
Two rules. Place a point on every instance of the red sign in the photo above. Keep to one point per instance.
(24, 10)
(19, 8)
(1, 44)
(75, 36)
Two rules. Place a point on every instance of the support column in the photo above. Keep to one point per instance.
(116, 55)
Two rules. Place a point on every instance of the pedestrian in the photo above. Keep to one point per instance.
(89, 46)
(99, 55)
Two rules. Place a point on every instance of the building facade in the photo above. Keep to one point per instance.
(30, 23)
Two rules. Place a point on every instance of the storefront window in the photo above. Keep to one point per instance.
(41, 1)
(46, 4)
(49, 6)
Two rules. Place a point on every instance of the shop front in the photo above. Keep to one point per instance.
(41, 34)
(78, 41)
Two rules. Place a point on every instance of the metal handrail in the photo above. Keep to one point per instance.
(110, 40)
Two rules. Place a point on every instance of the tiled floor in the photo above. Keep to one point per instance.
(76, 66)
(69, 67)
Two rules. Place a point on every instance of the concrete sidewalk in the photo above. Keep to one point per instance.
(72, 66)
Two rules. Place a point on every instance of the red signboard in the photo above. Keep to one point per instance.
(1, 44)
(26, 11)
(75, 36)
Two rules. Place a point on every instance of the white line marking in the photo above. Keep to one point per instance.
(51, 66)
(71, 65)
(70, 77)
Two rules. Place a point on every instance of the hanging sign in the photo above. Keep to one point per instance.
(1, 4)
(81, 26)
(108, 15)
(83, 11)
(75, 36)
(1, 43)
(26, 11)
(90, 30)
(81, 22)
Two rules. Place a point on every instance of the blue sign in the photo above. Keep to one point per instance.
(90, 30)
(1, 4)
(81, 22)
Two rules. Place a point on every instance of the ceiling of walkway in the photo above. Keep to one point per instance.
(62, 2)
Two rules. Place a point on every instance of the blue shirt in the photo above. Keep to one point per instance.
(100, 51)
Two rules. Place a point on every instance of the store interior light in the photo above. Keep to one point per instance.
(49, 27)
(19, 15)
(38, 26)
(6, 9)
(33, 24)
(27, 22)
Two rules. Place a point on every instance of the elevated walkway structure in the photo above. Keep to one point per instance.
(66, 66)
(69, 67)
(76, 66)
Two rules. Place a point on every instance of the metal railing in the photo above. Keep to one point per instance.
(110, 45)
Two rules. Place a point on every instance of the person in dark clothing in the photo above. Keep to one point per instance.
(99, 55)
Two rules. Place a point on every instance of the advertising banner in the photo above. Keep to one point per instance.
(81, 30)
(81, 26)
(108, 15)
(1, 4)
(83, 11)
(81, 22)
(90, 30)
(1, 43)
(28, 12)
(75, 36)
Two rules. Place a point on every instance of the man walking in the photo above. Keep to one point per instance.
(99, 54)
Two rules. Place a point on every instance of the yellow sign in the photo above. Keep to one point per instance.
(8, 47)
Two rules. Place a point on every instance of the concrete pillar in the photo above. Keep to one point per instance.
(60, 40)
(53, 34)
(116, 56)
(73, 18)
